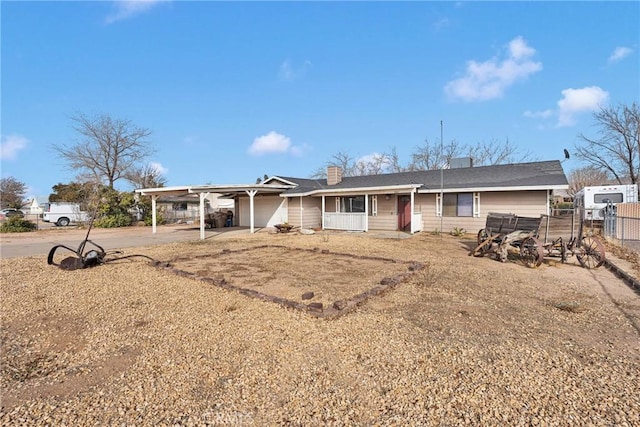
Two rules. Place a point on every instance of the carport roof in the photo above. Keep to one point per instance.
(223, 189)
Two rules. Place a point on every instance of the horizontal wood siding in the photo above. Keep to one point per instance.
(522, 203)
(387, 218)
(311, 212)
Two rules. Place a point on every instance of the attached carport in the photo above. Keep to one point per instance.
(202, 191)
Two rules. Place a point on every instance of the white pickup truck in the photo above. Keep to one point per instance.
(63, 214)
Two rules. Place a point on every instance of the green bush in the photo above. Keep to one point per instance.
(148, 219)
(564, 205)
(458, 232)
(113, 221)
(17, 225)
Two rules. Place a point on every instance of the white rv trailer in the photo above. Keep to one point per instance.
(594, 200)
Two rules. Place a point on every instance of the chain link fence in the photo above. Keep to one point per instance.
(620, 226)
(622, 230)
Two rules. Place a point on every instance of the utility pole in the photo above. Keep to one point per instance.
(441, 179)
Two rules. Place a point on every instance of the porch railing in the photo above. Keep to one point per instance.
(345, 221)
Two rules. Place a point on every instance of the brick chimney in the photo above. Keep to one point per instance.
(334, 175)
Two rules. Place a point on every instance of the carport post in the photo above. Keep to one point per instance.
(202, 198)
(366, 212)
(251, 193)
(153, 213)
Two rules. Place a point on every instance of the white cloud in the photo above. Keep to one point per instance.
(128, 8)
(440, 24)
(619, 53)
(488, 80)
(288, 71)
(575, 101)
(11, 145)
(272, 142)
(158, 168)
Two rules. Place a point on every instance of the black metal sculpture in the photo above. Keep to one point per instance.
(92, 257)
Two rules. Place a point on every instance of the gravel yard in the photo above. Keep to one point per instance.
(463, 340)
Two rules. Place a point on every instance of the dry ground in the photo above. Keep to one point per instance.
(464, 340)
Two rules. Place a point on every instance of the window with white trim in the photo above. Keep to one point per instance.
(457, 204)
(350, 204)
(373, 205)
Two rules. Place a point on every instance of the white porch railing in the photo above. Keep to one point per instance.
(416, 222)
(345, 221)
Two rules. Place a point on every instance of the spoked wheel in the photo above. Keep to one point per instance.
(590, 253)
(484, 243)
(564, 252)
(532, 252)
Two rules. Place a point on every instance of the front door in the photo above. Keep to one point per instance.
(404, 213)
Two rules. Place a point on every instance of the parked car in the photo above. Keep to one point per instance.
(11, 213)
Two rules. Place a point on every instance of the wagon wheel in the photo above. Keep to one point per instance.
(484, 243)
(590, 253)
(532, 252)
(564, 252)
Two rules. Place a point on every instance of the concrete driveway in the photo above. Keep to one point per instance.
(40, 242)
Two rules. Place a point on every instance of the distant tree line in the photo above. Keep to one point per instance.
(428, 156)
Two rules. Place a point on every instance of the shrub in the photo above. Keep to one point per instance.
(458, 232)
(17, 225)
(148, 219)
(113, 221)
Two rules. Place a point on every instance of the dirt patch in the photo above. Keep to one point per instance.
(321, 282)
(34, 352)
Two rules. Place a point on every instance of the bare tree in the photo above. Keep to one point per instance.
(343, 160)
(108, 149)
(616, 149)
(12, 192)
(393, 162)
(432, 156)
(429, 156)
(374, 164)
(148, 176)
(496, 153)
(584, 177)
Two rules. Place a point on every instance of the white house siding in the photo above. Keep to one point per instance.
(387, 217)
(309, 207)
(268, 211)
(523, 203)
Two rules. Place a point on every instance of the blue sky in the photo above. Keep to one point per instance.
(235, 90)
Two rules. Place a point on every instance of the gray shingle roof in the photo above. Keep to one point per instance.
(534, 174)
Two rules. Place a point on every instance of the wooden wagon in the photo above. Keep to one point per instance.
(535, 238)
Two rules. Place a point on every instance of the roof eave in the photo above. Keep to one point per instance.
(485, 189)
(358, 190)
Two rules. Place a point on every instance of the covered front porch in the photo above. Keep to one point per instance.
(367, 211)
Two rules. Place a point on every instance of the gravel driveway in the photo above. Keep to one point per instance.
(464, 341)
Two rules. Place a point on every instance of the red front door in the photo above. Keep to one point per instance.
(404, 213)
